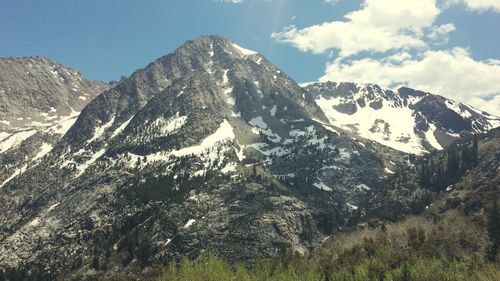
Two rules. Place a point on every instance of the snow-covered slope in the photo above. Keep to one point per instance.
(407, 120)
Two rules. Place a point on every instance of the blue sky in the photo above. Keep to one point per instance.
(449, 47)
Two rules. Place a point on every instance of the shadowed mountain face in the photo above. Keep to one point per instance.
(208, 148)
(408, 120)
(39, 101)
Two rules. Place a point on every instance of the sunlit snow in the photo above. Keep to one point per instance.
(244, 51)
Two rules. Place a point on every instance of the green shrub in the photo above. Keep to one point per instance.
(417, 249)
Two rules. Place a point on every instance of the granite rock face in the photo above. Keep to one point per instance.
(35, 89)
(39, 101)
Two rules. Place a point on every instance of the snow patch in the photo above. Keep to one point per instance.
(34, 222)
(363, 186)
(388, 171)
(277, 151)
(231, 167)
(44, 149)
(351, 206)
(17, 172)
(65, 123)
(189, 223)
(375, 124)
(344, 154)
(231, 101)
(170, 125)
(429, 135)
(224, 132)
(259, 122)
(52, 207)
(100, 130)
(322, 186)
(81, 168)
(15, 139)
(245, 52)
(455, 107)
(273, 110)
(120, 129)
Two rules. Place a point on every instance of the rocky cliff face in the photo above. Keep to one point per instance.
(407, 120)
(39, 101)
(208, 148)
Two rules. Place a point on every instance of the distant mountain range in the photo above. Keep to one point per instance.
(208, 148)
(407, 120)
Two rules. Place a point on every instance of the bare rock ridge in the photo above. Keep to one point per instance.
(208, 148)
(39, 101)
(35, 89)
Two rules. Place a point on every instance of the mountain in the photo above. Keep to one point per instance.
(407, 120)
(201, 150)
(39, 101)
(209, 148)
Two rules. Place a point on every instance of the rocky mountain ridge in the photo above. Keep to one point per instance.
(208, 148)
(202, 149)
(407, 120)
(39, 101)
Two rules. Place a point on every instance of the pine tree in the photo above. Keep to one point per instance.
(465, 161)
(475, 150)
(95, 262)
(494, 228)
(453, 164)
(424, 177)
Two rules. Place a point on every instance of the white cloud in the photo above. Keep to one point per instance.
(476, 5)
(440, 33)
(484, 5)
(349, 38)
(379, 26)
(451, 73)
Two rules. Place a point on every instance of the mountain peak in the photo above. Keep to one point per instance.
(212, 41)
(209, 49)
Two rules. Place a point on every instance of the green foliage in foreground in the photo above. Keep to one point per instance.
(455, 247)
(210, 268)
